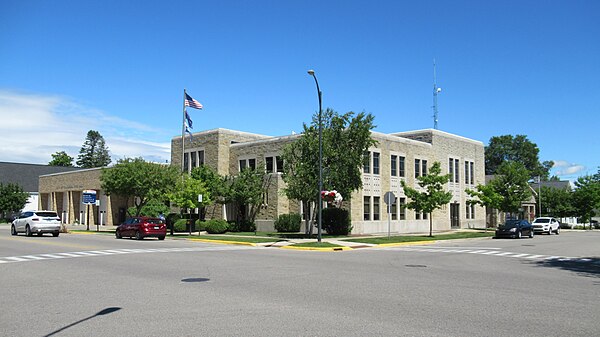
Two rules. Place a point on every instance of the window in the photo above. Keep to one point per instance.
(472, 180)
(194, 158)
(424, 167)
(417, 168)
(470, 211)
(201, 157)
(401, 166)
(394, 165)
(247, 163)
(402, 208)
(417, 215)
(367, 208)
(456, 171)
(274, 164)
(367, 162)
(279, 162)
(466, 172)
(186, 162)
(376, 210)
(375, 162)
(394, 209)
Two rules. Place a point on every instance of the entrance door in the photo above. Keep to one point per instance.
(455, 215)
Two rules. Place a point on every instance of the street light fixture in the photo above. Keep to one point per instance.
(319, 201)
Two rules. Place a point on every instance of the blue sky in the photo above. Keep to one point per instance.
(120, 67)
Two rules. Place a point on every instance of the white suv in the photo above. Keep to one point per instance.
(38, 222)
(546, 225)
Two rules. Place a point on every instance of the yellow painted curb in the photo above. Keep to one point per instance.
(328, 249)
(412, 243)
(226, 242)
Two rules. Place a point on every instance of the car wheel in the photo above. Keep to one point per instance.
(118, 234)
(13, 230)
(139, 236)
(161, 237)
(519, 234)
(55, 234)
(557, 231)
(28, 231)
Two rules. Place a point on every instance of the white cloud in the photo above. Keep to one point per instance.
(33, 127)
(564, 168)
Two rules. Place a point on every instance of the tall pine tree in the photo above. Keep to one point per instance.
(94, 152)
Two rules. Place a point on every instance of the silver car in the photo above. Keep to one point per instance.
(38, 222)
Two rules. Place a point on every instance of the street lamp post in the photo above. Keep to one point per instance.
(319, 201)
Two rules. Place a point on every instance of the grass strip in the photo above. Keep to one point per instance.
(411, 238)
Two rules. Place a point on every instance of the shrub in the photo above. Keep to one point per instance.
(288, 223)
(217, 226)
(243, 226)
(200, 225)
(171, 218)
(181, 225)
(336, 221)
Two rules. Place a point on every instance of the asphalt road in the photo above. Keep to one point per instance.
(95, 285)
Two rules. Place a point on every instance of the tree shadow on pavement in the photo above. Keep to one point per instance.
(583, 266)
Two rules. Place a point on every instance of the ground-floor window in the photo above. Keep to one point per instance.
(367, 208)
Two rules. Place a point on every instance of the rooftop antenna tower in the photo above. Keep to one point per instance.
(436, 91)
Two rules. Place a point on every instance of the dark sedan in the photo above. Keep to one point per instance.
(141, 227)
(515, 229)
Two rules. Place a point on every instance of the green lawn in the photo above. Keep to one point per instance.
(397, 239)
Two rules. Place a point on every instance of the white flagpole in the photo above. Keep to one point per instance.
(183, 134)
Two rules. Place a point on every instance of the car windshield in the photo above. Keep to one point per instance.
(511, 224)
(46, 214)
(542, 220)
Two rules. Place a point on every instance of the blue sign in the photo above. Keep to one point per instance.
(89, 197)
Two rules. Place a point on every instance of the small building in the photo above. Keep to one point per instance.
(27, 176)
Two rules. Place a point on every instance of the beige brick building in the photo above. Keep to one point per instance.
(396, 157)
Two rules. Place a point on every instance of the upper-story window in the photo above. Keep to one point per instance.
(397, 165)
(420, 167)
(192, 158)
(274, 164)
(454, 169)
(371, 162)
(469, 172)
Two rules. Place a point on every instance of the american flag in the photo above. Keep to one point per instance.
(192, 103)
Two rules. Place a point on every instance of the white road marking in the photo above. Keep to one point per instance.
(108, 252)
(488, 251)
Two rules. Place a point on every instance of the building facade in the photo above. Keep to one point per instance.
(396, 157)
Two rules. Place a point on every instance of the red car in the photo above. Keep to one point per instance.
(141, 227)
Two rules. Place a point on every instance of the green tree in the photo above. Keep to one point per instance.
(556, 202)
(511, 183)
(214, 183)
(517, 148)
(12, 199)
(152, 208)
(433, 196)
(61, 159)
(185, 194)
(94, 152)
(345, 138)
(586, 197)
(485, 195)
(246, 192)
(140, 180)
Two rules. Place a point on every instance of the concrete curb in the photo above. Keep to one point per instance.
(328, 249)
(225, 242)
